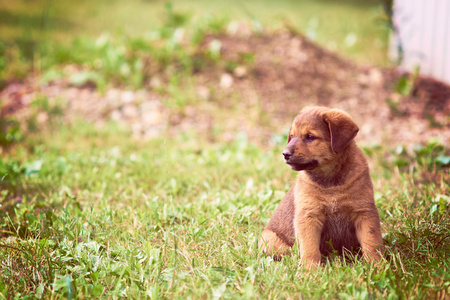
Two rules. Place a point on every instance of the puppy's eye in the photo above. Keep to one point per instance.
(310, 137)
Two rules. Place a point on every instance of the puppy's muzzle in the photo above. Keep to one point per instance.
(289, 151)
(287, 154)
(297, 162)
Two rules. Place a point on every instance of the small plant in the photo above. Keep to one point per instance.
(403, 88)
(11, 172)
(10, 131)
(174, 19)
(12, 63)
(179, 94)
(431, 155)
(405, 84)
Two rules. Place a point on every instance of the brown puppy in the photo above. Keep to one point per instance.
(331, 205)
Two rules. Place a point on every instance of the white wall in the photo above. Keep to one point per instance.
(424, 30)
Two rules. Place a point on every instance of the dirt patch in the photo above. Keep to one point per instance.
(263, 81)
(291, 72)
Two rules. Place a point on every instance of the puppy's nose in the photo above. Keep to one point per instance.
(287, 153)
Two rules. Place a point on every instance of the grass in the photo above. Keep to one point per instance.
(32, 33)
(94, 213)
(88, 212)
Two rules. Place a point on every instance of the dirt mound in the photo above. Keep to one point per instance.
(290, 72)
(263, 81)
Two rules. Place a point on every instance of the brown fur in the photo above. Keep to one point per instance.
(331, 205)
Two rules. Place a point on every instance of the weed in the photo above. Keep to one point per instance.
(10, 131)
(174, 19)
(177, 99)
(11, 172)
(404, 87)
(430, 156)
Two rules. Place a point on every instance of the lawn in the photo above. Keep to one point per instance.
(101, 214)
(31, 31)
(90, 210)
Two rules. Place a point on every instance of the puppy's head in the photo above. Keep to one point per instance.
(317, 137)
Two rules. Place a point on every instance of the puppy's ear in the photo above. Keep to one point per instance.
(342, 128)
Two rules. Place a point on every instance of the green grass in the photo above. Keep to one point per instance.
(93, 213)
(31, 32)
(90, 212)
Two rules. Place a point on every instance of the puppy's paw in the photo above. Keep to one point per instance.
(272, 245)
(310, 265)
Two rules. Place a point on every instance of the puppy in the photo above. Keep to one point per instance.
(331, 206)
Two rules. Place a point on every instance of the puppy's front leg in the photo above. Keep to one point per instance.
(368, 232)
(308, 230)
